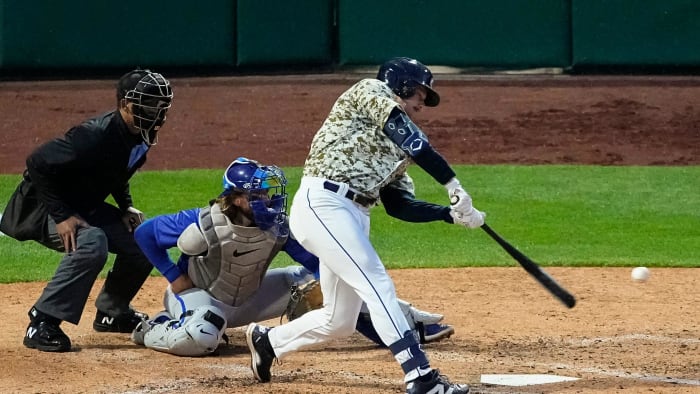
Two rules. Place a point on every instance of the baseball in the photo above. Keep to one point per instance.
(640, 274)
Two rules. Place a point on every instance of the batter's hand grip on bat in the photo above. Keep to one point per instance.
(533, 269)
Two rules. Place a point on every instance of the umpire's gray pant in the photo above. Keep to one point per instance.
(64, 297)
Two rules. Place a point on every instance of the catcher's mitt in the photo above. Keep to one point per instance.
(304, 298)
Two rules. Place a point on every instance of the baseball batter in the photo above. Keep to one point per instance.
(358, 158)
(222, 278)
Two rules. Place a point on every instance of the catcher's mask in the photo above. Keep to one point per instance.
(265, 188)
(151, 96)
(403, 75)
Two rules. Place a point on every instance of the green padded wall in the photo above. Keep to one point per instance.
(507, 33)
(2, 31)
(46, 34)
(90, 33)
(636, 32)
(273, 32)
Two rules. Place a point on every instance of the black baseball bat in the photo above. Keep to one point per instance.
(533, 269)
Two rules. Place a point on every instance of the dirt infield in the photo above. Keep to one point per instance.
(621, 337)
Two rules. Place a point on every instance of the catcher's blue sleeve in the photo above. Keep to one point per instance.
(301, 255)
(156, 235)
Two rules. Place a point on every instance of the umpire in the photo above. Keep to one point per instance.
(61, 204)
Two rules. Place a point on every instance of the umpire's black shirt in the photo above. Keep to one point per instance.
(76, 173)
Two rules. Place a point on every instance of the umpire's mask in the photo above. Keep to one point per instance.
(151, 96)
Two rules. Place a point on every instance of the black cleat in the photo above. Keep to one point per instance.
(435, 383)
(125, 322)
(46, 336)
(261, 353)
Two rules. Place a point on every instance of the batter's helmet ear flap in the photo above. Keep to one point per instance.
(403, 75)
(389, 77)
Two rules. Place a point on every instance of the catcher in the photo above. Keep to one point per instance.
(221, 278)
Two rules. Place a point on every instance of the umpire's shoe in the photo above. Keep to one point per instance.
(435, 383)
(44, 333)
(261, 353)
(126, 322)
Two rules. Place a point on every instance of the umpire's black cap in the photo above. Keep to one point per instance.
(129, 81)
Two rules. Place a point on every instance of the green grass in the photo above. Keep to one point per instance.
(557, 215)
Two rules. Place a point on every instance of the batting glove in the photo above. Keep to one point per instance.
(460, 201)
(471, 219)
(132, 218)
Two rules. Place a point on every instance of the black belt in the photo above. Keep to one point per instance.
(350, 195)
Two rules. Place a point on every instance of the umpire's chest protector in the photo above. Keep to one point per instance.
(236, 260)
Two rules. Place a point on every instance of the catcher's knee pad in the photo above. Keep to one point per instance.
(198, 334)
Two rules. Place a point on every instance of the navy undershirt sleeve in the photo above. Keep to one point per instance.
(403, 205)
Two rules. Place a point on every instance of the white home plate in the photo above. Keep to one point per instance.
(523, 380)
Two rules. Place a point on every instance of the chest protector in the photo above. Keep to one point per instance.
(236, 260)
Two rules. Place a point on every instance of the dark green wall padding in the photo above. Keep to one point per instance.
(76, 36)
(274, 32)
(503, 33)
(636, 32)
(88, 33)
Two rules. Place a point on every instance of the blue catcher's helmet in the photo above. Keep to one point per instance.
(404, 74)
(266, 189)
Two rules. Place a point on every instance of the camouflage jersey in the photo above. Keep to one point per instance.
(351, 146)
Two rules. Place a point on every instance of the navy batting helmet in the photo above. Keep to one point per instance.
(404, 74)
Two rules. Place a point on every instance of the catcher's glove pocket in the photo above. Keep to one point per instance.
(303, 298)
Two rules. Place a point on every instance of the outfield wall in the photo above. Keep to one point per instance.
(250, 34)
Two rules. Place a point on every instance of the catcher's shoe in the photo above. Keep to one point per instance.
(424, 317)
(126, 322)
(437, 332)
(261, 353)
(139, 333)
(435, 383)
(46, 336)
